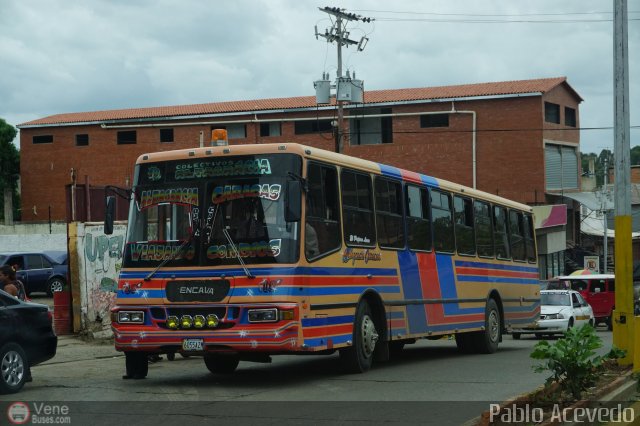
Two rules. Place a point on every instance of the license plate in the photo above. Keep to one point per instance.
(192, 344)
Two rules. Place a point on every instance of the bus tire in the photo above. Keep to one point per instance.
(359, 356)
(221, 364)
(464, 342)
(486, 341)
(137, 365)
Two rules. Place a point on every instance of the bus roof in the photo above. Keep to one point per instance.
(327, 156)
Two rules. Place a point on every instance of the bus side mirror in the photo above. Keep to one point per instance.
(109, 213)
(293, 201)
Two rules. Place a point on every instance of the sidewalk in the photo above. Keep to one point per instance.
(73, 348)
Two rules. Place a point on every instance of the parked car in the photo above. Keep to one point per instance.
(26, 339)
(559, 311)
(46, 271)
(598, 290)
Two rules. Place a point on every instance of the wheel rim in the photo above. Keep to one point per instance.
(56, 285)
(369, 336)
(494, 326)
(12, 368)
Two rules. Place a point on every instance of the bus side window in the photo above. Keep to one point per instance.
(530, 243)
(484, 229)
(357, 209)
(516, 235)
(418, 222)
(389, 214)
(442, 218)
(463, 215)
(322, 227)
(501, 234)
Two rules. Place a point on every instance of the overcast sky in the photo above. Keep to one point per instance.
(61, 56)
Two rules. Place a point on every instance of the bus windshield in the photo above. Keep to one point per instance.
(184, 223)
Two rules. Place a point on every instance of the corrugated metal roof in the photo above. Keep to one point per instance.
(542, 85)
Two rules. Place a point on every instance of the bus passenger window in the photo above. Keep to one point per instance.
(516, 235)
(484, 229)
(532, 256)
(357, 209)
(501, 235)
(322, 219)
(442, 216)
(389, 222)
(418, 223)
(463, 214)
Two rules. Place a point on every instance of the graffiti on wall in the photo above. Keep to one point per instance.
(102, 260)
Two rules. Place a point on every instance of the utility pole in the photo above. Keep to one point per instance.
(339, 34)
(604, 211)
(623, 318)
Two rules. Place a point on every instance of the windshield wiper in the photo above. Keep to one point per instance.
(168, 259)
(229, 239)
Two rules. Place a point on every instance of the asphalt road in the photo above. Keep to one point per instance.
(431, 383)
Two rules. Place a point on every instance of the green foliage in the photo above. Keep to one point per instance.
(572, 360)
(9, 166)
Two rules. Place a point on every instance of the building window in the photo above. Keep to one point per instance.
(551, 113)
(127, 137)
(314, 126)
(234, 131)
(82, 140)
(371, 131)
(43, 139)
(561, 167)
(166, 135)
(434, 120)
(270, 129)
(569, 117)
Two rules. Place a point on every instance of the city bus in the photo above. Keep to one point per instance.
(238, 253)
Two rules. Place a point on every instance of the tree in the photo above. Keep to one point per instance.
(635, 155)
(9, 167)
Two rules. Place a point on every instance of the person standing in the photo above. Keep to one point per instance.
(10, 284)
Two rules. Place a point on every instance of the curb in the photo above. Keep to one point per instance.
(619, 390)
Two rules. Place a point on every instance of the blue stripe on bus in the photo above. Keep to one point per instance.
(315, 322)
(395, 315)
(322, 341)
(428, 180)
(328, 291)
(470, 264)
(412, 288)
(314, 271)
(508, 280)
(447, 279)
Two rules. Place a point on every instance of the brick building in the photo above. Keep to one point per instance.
(517, 139)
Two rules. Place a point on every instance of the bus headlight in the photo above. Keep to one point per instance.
(198, 321)
(172, 322)
(186, 321)
(212, 320)
(263, 315)
(131, 317)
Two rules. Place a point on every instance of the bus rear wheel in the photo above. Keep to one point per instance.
(359, 357)
(221, 364)
(486, 341)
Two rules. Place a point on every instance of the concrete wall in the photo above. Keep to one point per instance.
(95, 261)
(33, 237)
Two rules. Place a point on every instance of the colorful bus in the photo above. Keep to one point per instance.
(241, 252)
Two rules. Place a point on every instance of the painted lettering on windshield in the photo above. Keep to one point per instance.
(207, 169)
(225, 193)
(149, 251)
(257, 249)
(173, 195)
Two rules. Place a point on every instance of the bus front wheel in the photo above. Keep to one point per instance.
(221, 364)
(359, 357)
(137, 365)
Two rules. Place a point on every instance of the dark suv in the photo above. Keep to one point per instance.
(46, 272)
